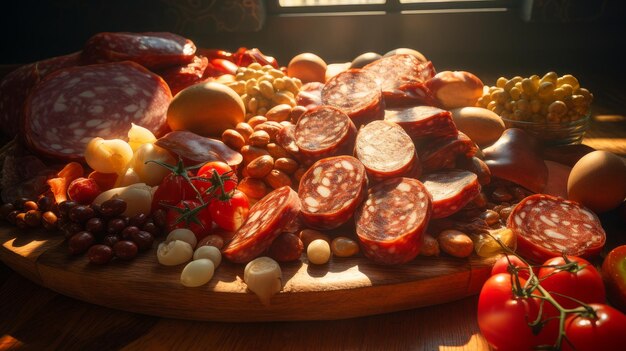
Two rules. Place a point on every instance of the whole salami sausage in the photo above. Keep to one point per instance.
(391, 221)
(153, 50)
(310, 95)
(323, 132)
(386, 151)
(451, 190)
(422, 121)
(442, 152)
(402, 78)
(266, 220)
(331, 190)
(180, 77)
(73, 105)
(357, 94)
(548, 226)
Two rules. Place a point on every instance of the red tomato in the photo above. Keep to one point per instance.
(614, 274)
(205, 178)
(586, 332)
(224, 66)
(192, 215)
(503, 318)
(581, 281)
(502, 266)
(231, 213)
(83, 190)
(174, 188)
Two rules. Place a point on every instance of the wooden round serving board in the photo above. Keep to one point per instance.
(344, 288)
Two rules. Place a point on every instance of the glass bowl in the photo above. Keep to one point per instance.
(551, 134)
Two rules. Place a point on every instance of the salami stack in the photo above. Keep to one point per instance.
(331, 190)
(266, 220)
(73, 105)
(310, 95)
(422, 121)
(451, 190)
(548, 226)
(180, 77)
(442, 152)
(391, 221)
(357, 94)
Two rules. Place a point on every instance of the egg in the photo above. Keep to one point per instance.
(363, 59)
(307, 67)
(598, 181)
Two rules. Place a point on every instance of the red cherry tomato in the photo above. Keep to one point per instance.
(231, 213)
(581, 281)
(83, 190)
(502, 266)
(614, 274)
(205, 178)
(586, 332)
(174, 188)
(503, 317)
(192, 215)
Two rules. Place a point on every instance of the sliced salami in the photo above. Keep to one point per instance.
(73, 105)
(331, 190)
(323, 132)
(310, 95)
(391, 221)
(153, 50)
(422, 121)
(195, 149)
(548, 226)
(386, 151)
(357, 94)
(442, 152)
(286, 138)
(451, 190)
(180, 77)
(402, 79)
(266, 220)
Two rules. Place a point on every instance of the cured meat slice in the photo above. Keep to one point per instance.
(386, 151)
(391, 221)
(548, 226)
(402, 79)
(331, 190)
(266, 220)
(195, 149)
(16, 86)
(310, 95)
(323, 132)
(442, 152)
(73, 105)
(451, 190)
(422, 121)
(286, 138)
(180, 77)
(153, 50)
(357, 94)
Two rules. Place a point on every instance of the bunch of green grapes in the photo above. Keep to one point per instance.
(550, 98)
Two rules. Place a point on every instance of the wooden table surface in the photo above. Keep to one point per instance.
(33, 317)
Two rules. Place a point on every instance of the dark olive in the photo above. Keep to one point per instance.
(100, 254)
(45, 203)
(81, 213)
(138, 220)
(12, 216)
(5, 209)
(143, 239)
(70, 228)
(66, 206)
(116, 225)
(125, 249)
(110, 240)
(81, 242)
(159, 216)
(95, 225)
(129, 231)
(20, 220)
(113, 207)
(151, 228)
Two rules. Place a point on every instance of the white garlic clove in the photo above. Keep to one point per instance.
(197, 273)
(210, 252)
(183, 234)
(174, 253)
(263, 277)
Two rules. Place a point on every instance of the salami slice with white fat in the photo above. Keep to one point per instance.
(442, 152)
(73, 105)
(323, 132)
(386, 151)
(266, 220)
(310, 95)
(391, 221)
(183, 76)
(402, 79)
(422, 121)
(331, 190)
(357, 94)
(451, 190)
(153, 50)
(548, 226)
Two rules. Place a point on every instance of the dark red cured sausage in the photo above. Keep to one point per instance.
(195, 149)
(548, 226)
(451, 190)
(386, 151)
(154, 50)
(356, 93)
(442, 152)
(310, 95)
(331, 190)
(402, 79)
(391, 221)
(16, 86)
(73, 105)
(286, 138)
(180, 77)
(324, 131)
(422, 121)
(266, 220)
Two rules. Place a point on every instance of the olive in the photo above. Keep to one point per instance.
(45, 203)
(159, 216)
(125, 249)
(100, 254)
(81, 242)
(71, 228)
(151, 228)
(5, 209)
(113, 207)
(81, 213)
(143, 239)
(95, 225)
(12, 216)
(66, 206)
(138, 220)
(129, 231)
(116, 225)
(110, 240)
